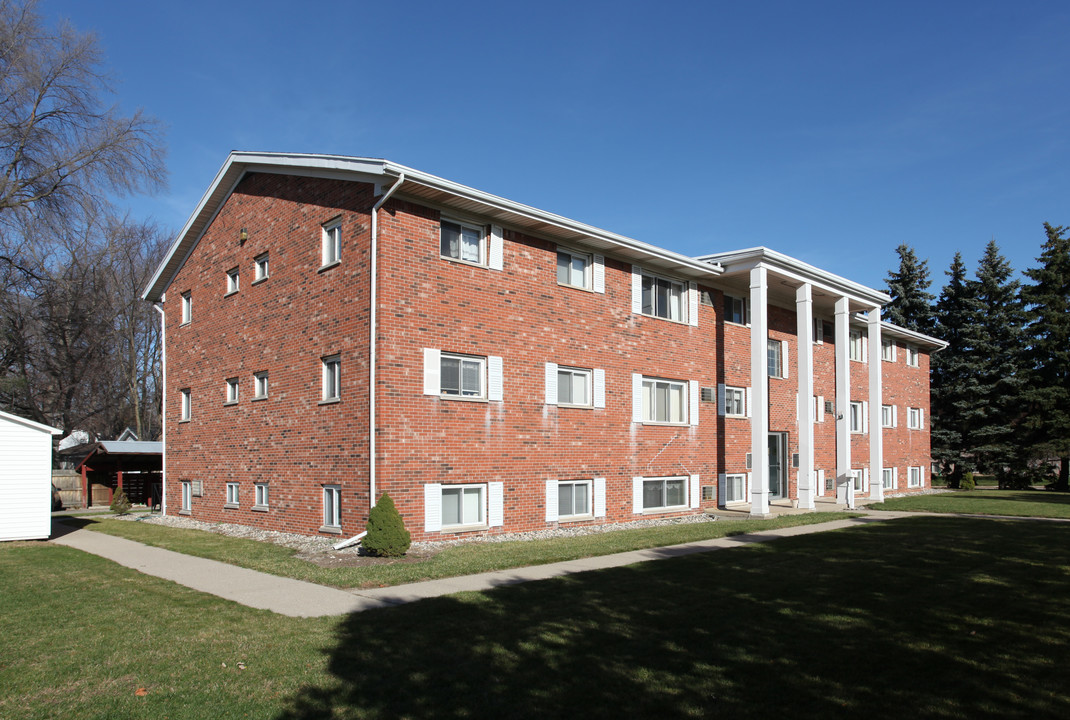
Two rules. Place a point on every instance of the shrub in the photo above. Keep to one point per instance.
(387, 536)
(968, 483)
(120, 503)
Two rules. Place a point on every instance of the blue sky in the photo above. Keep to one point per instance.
(831, 131)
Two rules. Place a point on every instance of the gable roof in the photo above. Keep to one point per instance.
(30, 423)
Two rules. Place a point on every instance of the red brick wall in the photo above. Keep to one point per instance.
(905, 386)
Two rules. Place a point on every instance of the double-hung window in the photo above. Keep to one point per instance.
(332, 377)
(819, 331)
(261, 496)
(463, 505)
(888, 478)
(187, 496)
(914, 418)
(856, 346)
(332, 506)
(913, 356)
(914, 477)
(664, 401)
(573, 499)
(260, 385)
(232, 391)
(735, 401)
(463, 376)
(735, 489)
(573, 268)
(463, 242)
(735, 310)
(775, 358)
(260, 267)
(187, 403)
(232, 281)
(857, 417)
(888, 350)
(573, 386)
(663, 493)
(232, 494)
(187, 306)
(664, 298)
(331, 242)
(888, 416)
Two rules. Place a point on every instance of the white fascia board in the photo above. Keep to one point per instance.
(777, 262)
(913, 336)
(30, 423)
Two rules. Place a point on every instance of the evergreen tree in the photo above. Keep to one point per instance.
(1048, 394)
(387, 536)
(953, 371)
(911, 305)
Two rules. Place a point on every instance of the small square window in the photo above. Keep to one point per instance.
(664, 401)
(232, 281)
(913, 356)
(463, 242)
(260, 267)
(573, 499)
(332, 377)
(463, 505)
(735, 401)
(573, 387)
(232, 390)
(232, 494)
(187, 403)
(888, 350)
(187, 306)
(735, 489)
(465, 376)
(332, 242)
(736, 310)
(573, 269)
(260, 385)
(261, 490)
(332, 512)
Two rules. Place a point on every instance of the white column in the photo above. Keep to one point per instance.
(845, 489)
(759, 381)
(804, 306)
(876, 431)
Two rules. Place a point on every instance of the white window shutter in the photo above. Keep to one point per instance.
(551, 383)
(921, 475)
(722, 399)
(495, 387)
(895, 416)
(432, 507)
(599, 388)
(637, 494)
(432, 371)
(496, 260)
(821, 408)
(637, 290)
(722, 491)
(865, 479)
(865, 348)
(692, 414)
(746, 392)
(692, 303)
(637, 397)
(746, 495)
(921, 418)
(865, 416)
(599, 274)
(820, 482)
(895, 478)
(785, 364)
(695, 491)
(599, 497)
(496, 502)
(551, 501)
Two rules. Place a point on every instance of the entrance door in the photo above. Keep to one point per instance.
(778, 469)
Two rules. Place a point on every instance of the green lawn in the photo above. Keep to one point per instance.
(1034, 503)
(458, 560)
(870, 622)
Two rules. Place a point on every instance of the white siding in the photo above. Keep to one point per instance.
(26, 480)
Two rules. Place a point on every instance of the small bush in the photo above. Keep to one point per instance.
(967, 483)
(120, 503)
(387, 536)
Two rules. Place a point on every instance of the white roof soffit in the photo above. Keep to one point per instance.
(418, 186)
(785, 265)
(913, 336)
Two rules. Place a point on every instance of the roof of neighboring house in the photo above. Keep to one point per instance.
(135, 450)
(30, 423)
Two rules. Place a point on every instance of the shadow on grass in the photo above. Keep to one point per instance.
(870, 621)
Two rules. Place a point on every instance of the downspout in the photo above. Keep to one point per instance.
(163, 407)
(373, 325)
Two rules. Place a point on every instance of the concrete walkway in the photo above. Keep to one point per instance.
(297, 598)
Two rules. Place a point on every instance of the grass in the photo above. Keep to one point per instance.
(869, 622)
(458, 560)
(1018, 503)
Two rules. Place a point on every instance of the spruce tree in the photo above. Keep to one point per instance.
(1048, 393)
(387, 536)
(953, 371)
(911, 305)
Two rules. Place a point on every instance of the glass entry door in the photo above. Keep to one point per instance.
(778, 469)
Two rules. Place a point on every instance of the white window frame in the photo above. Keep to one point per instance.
(262, 496)
(645, 481)
(587, 275)
(889, 416)
(819, 331)
(858, 477)
(481, 233)
(588, 385)
(776, 350)
(731, 396)
(589, 512)
(915, 477)
(232, 494)
(888, 350)
(730, 479)
(650, 388)
(332, 506)
(856, 418)
(186, 404)
(233, 280)
(462, 490)
(187, 307)
(260, 267)
(461, 393)
(187, 496)
(678, 290)
(231, 391)
(913, 356)
(735, 306)
(260, 385)
(856, 346)
(331, 242)
(889, 479)
(915, 419)
(331, 378)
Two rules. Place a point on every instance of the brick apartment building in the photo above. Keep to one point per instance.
(528, 370)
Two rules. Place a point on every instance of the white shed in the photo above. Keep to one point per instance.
(25, 478)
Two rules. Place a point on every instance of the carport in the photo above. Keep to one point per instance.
(133, 466)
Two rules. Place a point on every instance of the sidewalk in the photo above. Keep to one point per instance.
(297, 598)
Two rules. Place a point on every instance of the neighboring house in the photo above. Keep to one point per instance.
(529, 371)
(26, 478)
